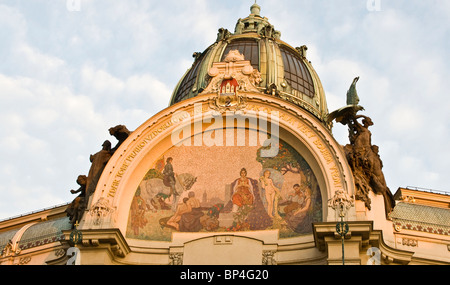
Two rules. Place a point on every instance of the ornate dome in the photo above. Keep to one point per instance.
(285, 71)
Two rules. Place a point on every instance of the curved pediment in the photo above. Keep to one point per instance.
(278, 144)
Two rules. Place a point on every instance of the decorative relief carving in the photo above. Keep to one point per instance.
(60, 252)
(230, 80)
(341, 202)
(176, 258)
(400, 225)
(100, 210)
(268, 257)
(408, 199)
(410, 242)
(24, 260)
(11, 249)
(116, 249)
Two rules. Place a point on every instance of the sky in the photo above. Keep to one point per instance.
(71, 69)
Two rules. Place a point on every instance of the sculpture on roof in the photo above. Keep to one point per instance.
(121, 133)
(223, 34)
(98, 163)
(88, 183)
(302, 50)
(362, 156)
(352, 95)
(239, 27)
(77, 207)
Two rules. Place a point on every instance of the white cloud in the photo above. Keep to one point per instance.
(66, 77)
(14, 25)
(37, 143)
(406, 119)
(100, 82)
(37, 61)
(141, 94)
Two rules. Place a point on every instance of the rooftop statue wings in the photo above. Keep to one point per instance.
(352, 107)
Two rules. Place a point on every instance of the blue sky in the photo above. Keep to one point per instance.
(72, 69)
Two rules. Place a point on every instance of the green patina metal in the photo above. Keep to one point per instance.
(285, 71)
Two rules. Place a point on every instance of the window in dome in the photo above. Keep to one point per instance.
(249, 48)
(296, 73)
(188, 81)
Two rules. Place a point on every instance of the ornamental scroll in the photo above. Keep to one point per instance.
(230, 80)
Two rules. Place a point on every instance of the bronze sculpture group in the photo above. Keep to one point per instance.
(362, 156)
(88, 183)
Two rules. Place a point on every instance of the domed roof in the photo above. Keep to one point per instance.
(285, 71)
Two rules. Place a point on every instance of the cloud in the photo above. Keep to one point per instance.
(404, 120)
(36, 63)
(136, 93)
(66, 77)
(100, 82)
(37, 142)
(13, 23)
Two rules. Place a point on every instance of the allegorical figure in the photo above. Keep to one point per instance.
(243, 191)
(296, 200)
(246, 193)
(361, 137)
(272, 194)
(75, 210)
(181, 209)
(169, 177)
(362, 156)
(239, 27)
(121, 133)
(300, 219)
(190, 221)
(367, 165)
(98, 163)
(137, 212)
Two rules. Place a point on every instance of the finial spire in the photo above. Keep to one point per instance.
(255, 9)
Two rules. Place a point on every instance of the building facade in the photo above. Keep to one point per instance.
(242, 168)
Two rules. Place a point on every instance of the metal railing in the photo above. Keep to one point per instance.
(33, 212)
(428, 190)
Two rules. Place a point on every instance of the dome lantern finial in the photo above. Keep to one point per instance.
(255, 9)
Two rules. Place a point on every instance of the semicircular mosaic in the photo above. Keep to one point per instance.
(225, 189)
